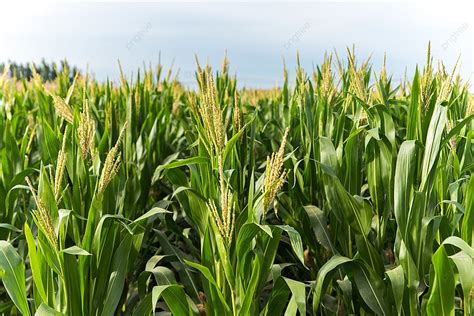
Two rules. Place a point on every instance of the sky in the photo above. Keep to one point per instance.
(257, 35)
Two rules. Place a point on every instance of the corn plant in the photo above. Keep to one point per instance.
(237, 245)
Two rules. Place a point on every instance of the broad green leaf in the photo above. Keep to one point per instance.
(433, 142)
(295, 241)
(403, 184)
(464, 264)
(246, 234)
(397, 282)
(441, 299)
(35, 263)
(459, 243)
(117, 278)
(319, 226)
(336, 262)
(278, 298)
(174, 300)
(12, 273)
(371, 288)
(298, 292)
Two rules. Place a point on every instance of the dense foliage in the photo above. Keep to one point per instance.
(344, 193)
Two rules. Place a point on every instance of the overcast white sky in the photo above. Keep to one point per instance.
(256, 35)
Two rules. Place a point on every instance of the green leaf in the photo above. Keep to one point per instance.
(278, 298)
(152, 212)
(329, 267)
(249, 298)
(117, 277)
(295, 241)
(345, 207)
(246, 234)
(455, 130)
(459, 243)
(441, 300)
(35, 263)
(319, 226)
(173, 294)
(207, 274)
(464, 264)
(467, 228)
(298, 292)
(433, 143)
(45, 310)
(76, 251)
(371, 288)
(12, 272)
(403, 184)
(174, 300)
(177, 164)
(397, 281)
(10, 227)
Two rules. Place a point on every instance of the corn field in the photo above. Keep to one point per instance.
(341, 192)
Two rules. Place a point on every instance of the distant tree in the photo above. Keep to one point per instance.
(47, 71)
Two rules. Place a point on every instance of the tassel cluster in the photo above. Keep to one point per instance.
(42, 217)
(86, 132)
(210, 112)
(112, 163)
(274, 175)
(60, 166)
(62, 108)
(226, 218)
